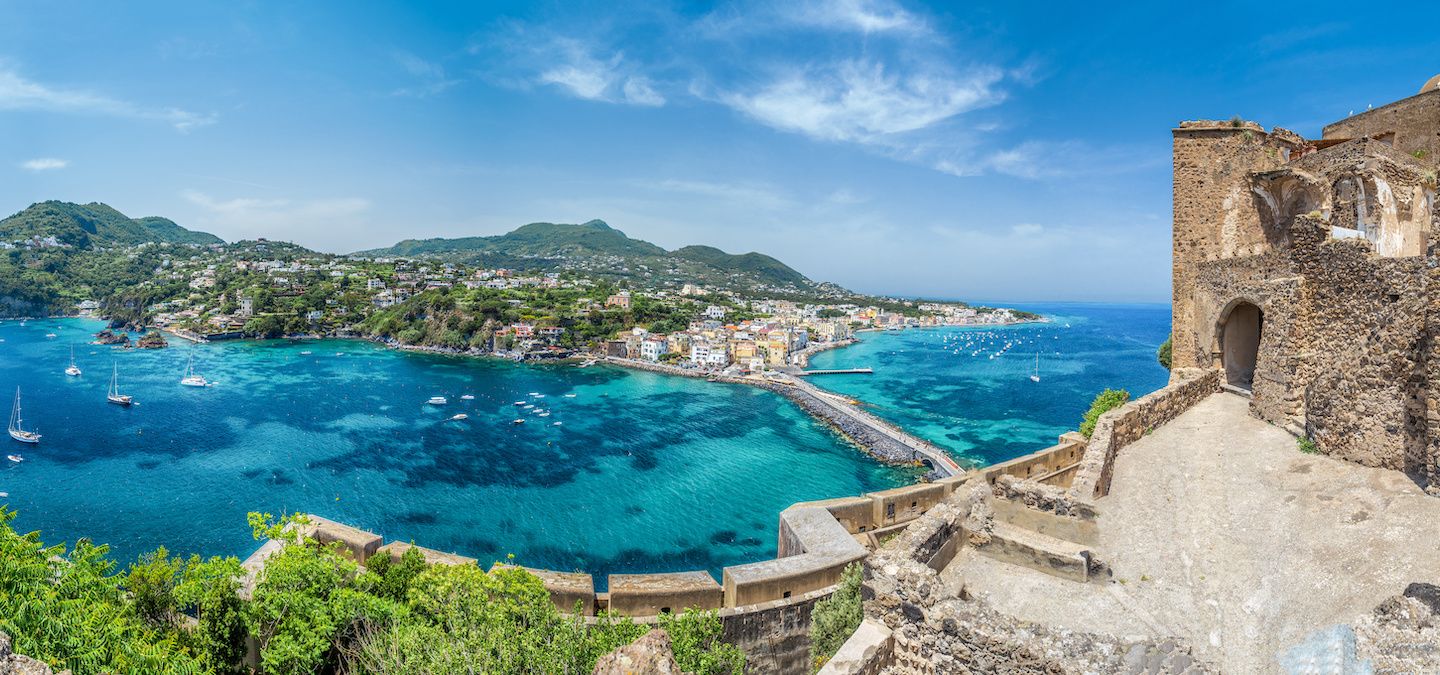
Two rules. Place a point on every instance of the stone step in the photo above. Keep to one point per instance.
(1238, 391)
(1019, 546)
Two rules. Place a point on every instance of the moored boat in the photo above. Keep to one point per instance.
(437, 400)
(17, 426)
(114, 395)
(193, 379)
(73, 370)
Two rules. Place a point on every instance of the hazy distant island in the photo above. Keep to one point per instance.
(542, 290)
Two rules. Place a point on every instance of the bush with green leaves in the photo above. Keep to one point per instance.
(835, 618)
(1163, 353)
(1107, 400)
(68, 609)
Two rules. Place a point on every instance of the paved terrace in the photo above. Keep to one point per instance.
(1220, 531)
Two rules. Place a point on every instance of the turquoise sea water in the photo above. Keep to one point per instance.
(645, 473)
(986, 409)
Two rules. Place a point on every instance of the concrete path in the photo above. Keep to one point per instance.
(1219, 530)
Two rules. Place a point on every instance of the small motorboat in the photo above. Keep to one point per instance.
(518, 421)
(544, 414)
(306, 353)
(467, 397)
(15, 458)
(437, 400)
(49, 336)
(519, 403)
(569, 396)
(558, 423)
(461, 416)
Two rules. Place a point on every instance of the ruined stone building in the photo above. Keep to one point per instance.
(1308, 270)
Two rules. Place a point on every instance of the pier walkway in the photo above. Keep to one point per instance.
(839, 371)
(938, 460)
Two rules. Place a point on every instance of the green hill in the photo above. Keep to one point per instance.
(757, 265)
(593, 246)
(95, 224)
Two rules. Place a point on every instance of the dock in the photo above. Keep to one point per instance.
(839, 371)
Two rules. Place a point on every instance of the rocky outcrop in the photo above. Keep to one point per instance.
(649, 655)
(16, 664)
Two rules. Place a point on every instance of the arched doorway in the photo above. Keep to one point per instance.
(1240, 343)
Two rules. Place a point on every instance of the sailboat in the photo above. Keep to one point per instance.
(17, 426)
(1035, 375)
(73, 370)
(114, 395)
(191, 379)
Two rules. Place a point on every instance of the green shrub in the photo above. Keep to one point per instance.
(1307, 446)
(1107, 400)
(695, 637)
(835, 618)
(1163, 354)
(67, 609)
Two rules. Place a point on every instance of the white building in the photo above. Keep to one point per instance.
(653, 348)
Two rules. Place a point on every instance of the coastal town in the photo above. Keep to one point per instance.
(275, 289)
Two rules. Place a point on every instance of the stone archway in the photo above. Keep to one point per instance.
(1239, 335)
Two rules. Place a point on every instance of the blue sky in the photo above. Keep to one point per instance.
(1008, 151)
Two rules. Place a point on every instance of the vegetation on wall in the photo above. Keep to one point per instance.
(834, 619)
(1108, 400)
(1163, 353)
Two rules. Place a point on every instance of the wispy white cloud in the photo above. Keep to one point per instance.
(865, 16)
(584, 75)
(864, 101)
(19, 93)
(44, 164)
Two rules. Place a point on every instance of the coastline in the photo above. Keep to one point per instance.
(882, 440)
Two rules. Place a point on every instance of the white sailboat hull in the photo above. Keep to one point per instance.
(25, 436)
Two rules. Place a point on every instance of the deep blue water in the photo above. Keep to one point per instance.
(645, 473)
(986, 409)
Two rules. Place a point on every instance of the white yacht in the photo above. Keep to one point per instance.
(73, 370)
(1035, 374)
(459, 417)
(17, 427)
(193, 379)
(114, 395)
(437, 400)
(467, 397)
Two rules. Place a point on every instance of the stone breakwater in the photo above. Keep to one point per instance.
(878, 439)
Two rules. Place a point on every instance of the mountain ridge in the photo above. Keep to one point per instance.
(555, 244)
(95, 223)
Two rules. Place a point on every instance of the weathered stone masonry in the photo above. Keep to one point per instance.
(1303, 273)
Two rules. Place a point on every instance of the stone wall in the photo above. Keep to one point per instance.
(1332, 243)
(1054, 465)
(1126, 424)
(1415, 121)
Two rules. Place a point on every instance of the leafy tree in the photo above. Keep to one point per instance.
(834, 619)
(151, 582)
(1163, 354)
(1105, 402)
(209, 589)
